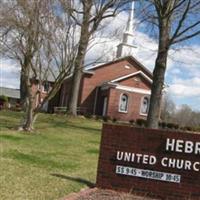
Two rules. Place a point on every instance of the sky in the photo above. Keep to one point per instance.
(182, 78)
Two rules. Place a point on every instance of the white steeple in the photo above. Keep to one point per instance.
(126, 48)
(129, 26)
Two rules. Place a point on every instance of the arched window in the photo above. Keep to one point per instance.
(46, 86)
(144, 105)
(123, 103)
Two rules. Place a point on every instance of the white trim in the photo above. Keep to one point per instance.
(86, 71)
(95, 66)
(132, 89)
(142, 114)
(121, 111)
(133, 74)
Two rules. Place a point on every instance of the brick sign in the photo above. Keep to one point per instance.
(153, 162)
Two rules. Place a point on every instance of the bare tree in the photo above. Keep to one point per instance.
(47, 40)
(43, 43)
(168, 108)
(176, 21)
(185, 116)
(20, 38)
(18, 41)
(88, 15)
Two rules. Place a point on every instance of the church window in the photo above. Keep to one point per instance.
(123, 103)
(144, 105)
(46, 86)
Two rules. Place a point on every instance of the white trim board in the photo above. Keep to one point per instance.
(133, 74)
(95, 66)
(131, 89)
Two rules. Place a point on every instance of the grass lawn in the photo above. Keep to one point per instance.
(60, 157)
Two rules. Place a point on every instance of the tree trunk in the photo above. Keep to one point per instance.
(28, 125)
(23, 91)
(79, 62)
(156, 91)
(158, 76)
(30, 96)
(75, 93)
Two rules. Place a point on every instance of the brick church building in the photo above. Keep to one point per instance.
(119, 89)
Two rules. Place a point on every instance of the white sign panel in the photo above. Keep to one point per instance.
(148, 174)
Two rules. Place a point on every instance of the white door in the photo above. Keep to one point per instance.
(105, 101)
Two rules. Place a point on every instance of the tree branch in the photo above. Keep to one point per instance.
(186, 37)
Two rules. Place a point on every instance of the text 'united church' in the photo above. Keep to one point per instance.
(172, 145)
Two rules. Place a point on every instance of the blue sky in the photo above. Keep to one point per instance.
(183, 67)
(183, 70)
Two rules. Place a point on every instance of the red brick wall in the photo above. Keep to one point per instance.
(38, 97)
(139, 83)
(104, 74)
(134, 104)
(150, 142)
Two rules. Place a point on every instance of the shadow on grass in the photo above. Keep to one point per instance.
(10, 137)
(66, 125)
(8, 120)
(93, 151)
(75, 179)
(9, 125)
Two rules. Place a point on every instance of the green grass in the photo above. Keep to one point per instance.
(58, 158)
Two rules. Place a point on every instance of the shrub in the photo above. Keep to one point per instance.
(106, 118)
(97, 117)
(141, 122)
(187, 128)
(131, 121)
(170, 125)
(88, 115)
(162, 124)
(197, 129)
(3, 98)
(114, 120)
(176, 126)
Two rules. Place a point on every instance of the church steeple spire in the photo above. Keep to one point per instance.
(126, 48)
(129, 26)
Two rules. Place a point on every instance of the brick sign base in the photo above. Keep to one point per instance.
(164, 164)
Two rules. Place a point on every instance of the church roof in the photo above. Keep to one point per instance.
(143, 68)
(10, 92)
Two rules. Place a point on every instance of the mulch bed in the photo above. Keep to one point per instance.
(99, 194)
